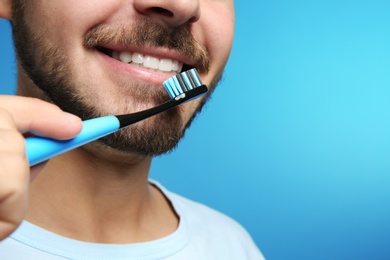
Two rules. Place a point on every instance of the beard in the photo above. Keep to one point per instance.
(51, 71)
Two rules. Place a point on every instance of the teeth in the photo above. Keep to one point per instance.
(151, 62)
(138, 58)
(115, 55)
(177, 66)
(125, 56)
(164, 65)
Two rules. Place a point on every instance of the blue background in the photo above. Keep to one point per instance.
(295, 144)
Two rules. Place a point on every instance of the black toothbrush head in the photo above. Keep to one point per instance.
(181, 88)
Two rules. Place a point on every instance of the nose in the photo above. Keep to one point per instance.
(173, 13)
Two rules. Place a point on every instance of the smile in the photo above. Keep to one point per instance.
(146, 61)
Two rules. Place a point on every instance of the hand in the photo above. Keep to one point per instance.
(18, 116)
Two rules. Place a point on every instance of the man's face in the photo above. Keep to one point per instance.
(107, 57)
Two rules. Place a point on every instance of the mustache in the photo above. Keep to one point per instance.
(149, 33)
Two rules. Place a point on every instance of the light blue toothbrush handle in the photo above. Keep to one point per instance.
(40, 149)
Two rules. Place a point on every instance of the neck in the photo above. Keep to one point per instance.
(90, 197)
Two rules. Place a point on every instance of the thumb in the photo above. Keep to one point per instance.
(41, 118)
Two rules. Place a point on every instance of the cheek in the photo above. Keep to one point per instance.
(216, 31)
(73, 17)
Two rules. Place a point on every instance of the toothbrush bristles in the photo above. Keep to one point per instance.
(181, 83)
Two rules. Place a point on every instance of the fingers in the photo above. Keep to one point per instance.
(14, 176)
(20, 115)
(40, 118)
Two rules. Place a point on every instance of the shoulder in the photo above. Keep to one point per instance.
(198, 213)
(214, 230)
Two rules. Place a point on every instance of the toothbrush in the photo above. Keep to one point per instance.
(181, 88)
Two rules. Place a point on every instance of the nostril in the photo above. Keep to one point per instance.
(162, 11)
(172, 13)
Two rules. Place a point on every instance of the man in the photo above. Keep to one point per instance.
(93, 58)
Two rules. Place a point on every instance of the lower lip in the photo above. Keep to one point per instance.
(136, 72)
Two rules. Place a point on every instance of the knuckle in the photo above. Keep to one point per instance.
(6, 118)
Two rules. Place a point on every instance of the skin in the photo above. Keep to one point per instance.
(129, 208)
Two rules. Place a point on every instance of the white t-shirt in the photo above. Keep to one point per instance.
(203, 234)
